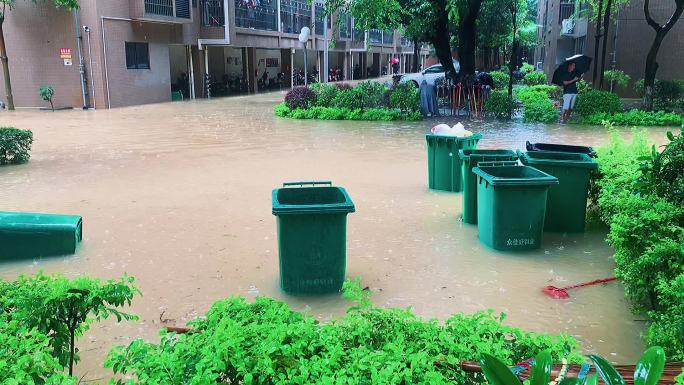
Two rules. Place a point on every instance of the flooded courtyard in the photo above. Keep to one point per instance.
(178, 196)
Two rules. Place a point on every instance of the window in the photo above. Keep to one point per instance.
(434, 69)
(137, 56)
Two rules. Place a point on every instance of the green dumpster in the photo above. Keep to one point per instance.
(444, 166)
(29, 235)
(511, 202)
(566, 206)
(469, 159)
(312, 236)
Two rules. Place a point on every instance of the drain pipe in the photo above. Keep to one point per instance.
(90, 58)
(81, 63)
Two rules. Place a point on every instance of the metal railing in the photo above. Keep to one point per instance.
(159, 7)
(320, 16)
(294, 14)
(183, 9)
(345, 24)
(388, 37)
(566, 11)
(374, 36)
(212, 13)
(256, 15)
(405, 42)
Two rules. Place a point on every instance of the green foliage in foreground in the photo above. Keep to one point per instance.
(538, 108)
(41, 317)
(15, 145)
(647, 233)
(596, 102)
(268, 343)
(336, 113)
(535, 78)
(648, 370)
(635, 118)
(500, 105)
(501, 79)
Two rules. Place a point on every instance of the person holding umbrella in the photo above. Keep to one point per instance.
(567, 75)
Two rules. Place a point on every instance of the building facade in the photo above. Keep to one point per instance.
(565, 29)
(131, 52)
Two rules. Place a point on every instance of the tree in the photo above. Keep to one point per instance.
(6, 5)
(465, 12)
(601, 14)
(651, 59)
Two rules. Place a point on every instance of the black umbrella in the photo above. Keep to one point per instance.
(582, 64)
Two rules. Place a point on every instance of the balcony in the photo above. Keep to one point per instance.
(262, 15)
(566, 11)
(388, 37)
(168, 10)
(294, 14)
(374, 36)
(212, 13)
(320, 17)
(345, 25)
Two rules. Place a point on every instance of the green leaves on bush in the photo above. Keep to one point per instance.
(500, 105)
(534, 78)
(538, 108)
(46, 93)
(635, 118)
(405, 97)
(500, 79)
(616, 78)
(351, 99)
(300, 97)
(15, 145)
(595, 102)
(325, 93)
(334, 113)
(267, 343)
(647, 233)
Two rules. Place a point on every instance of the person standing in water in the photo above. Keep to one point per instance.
(570, 80)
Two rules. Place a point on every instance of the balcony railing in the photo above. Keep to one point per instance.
(212, 13)
(320, 16)
(183, 9)
(405, 42)
(566, 11)
(256, 15)
(358, 34)
(375, 36)
(294, 14)
(388, 37)
(345, 24)
(159, 7)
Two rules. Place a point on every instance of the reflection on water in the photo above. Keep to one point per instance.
(178, 195)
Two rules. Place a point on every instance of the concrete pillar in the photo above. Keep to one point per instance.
(251, 69)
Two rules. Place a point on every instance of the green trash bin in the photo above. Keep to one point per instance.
(566, 206)
(312, 236)
(444, 166)
(469, 159)
(30, 235)
(511, 202)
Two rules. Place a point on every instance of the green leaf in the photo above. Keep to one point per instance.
(569, 381)
(592, 380)
(541, 370)
(607, 372)
(650, 366)
(497, 372)
(670, 136)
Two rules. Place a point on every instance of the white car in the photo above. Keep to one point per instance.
(430, 74)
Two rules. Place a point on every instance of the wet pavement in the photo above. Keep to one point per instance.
(178, 196)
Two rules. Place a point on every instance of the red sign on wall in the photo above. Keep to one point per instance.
(65, 53)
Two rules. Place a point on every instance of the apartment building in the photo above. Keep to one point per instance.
(130, 52)
(564, 29)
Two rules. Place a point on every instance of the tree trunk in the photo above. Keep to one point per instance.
(467, 39)
(597, 43)
(72, 350)
(5, 67)
(416, 55)
(651, 58)
(606, 26)
(441, 40)
(514, 48)
(486, 57)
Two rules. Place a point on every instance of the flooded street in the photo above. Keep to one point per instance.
(178, 196)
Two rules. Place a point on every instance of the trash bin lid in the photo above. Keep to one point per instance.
(311, 200)
(514, 176)
(20, 221)
(431, 137)
(555, 147)
(477, 155)
(565, 159)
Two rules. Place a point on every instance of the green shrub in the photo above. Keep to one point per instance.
(534, 78)
(500, 79)
(405, 97)
(266, 342)
(552, 91)
(372, 94)
(325, 93)
(640, 88)
(594, 102)
(527, 68)
(300, 97)
(583, 87)
(15, 145)
(527, 94)
(662, 173)
(617, 78)
(636, 118)
(667, 95)
(334, 113)
(500, 105)
(46, 93)
(539, 108)
(282, 110)
(352, 99)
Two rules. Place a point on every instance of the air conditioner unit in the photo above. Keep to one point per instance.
(567, 27)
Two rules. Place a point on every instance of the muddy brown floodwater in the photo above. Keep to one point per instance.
(178, 196)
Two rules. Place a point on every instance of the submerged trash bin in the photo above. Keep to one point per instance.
(566, 206)
(511, 202)
(312, 236)
(560, 148)
(31, 235)
(469, 159)
(444, 166)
